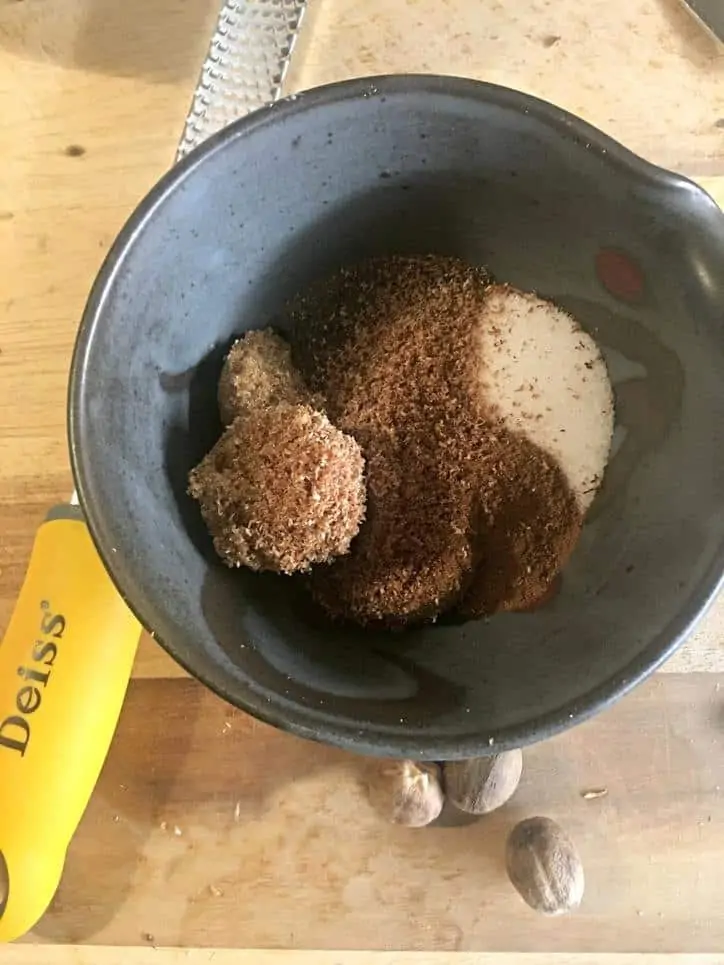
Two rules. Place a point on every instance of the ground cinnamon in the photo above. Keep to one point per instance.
(461, 512)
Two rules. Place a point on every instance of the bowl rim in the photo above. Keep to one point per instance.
(301, 721)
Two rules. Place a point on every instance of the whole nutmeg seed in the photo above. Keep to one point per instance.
(407, 792)
(544, 866)
(482, 784)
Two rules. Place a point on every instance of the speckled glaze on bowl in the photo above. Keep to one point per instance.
(411, 164)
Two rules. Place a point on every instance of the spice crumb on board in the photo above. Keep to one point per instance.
(591, 794)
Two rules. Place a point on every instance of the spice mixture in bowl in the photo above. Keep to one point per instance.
(473, 561)
(465, 512)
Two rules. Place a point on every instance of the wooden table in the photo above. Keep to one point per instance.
(208, 830)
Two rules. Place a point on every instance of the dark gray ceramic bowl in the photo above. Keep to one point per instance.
(410, 164)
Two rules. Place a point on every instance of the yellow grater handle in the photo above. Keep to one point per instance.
(65, 662)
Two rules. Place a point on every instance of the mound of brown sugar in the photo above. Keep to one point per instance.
(460, 510)
(282, 489)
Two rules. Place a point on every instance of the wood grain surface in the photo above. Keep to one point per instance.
(98, 955)
(642, 70)
(93, 97)
(210, 829)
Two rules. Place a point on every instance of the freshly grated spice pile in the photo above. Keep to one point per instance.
(461, 511)
(282, 488)
(258, 371)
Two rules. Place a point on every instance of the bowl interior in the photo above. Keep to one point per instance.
(410, 165)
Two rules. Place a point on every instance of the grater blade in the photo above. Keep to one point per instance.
(245, 67)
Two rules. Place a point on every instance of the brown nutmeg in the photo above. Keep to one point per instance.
(407, 792)
(482, 784)
(544, 867)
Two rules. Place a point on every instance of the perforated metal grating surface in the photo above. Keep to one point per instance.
(245, 67)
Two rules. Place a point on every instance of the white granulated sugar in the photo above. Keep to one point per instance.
(548, 380)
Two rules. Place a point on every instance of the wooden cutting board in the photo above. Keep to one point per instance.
(95, 955)
(642, 70)
(209, 828)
